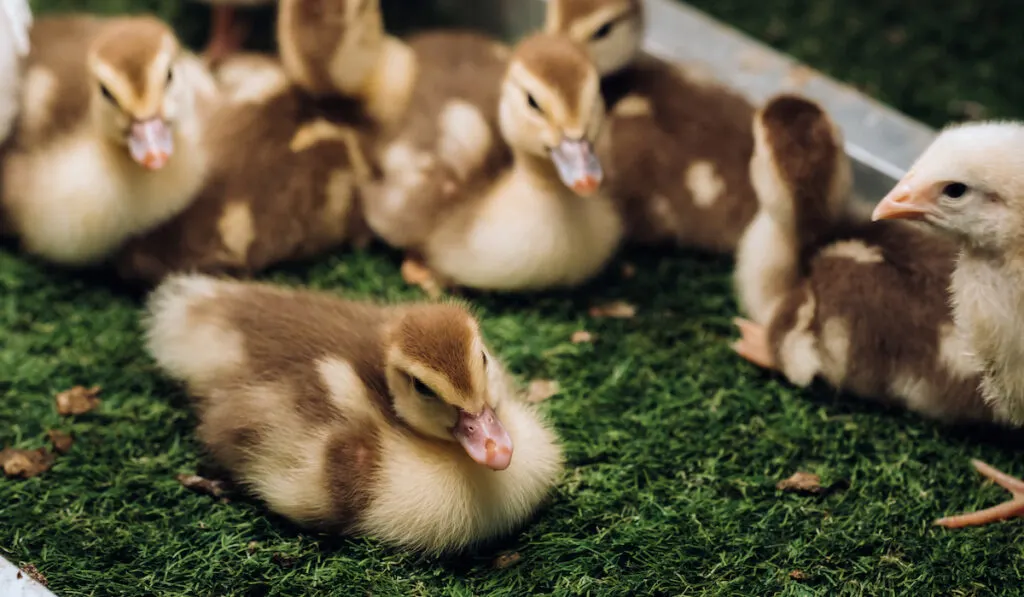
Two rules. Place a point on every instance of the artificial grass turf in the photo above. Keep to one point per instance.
(674, 445)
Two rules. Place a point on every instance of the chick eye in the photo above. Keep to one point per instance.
(602, 32)
(107, 95)
(423, 389)
(533, 103)
(954, 190)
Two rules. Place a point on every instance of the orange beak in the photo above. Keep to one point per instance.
(905, 201)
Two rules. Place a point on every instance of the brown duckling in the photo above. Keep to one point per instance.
(968, 187)
(392, 421)
(283, 184)
(107, 144)
(820, 286)
(676, 146)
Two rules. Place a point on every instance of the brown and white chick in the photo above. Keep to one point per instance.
(227, 31)
(108, 141)
(434, 96)
(969, 187)
(542, 221)
(391, 421)
(861, 305)
(15, 22)
(284, 179)
(676, 146)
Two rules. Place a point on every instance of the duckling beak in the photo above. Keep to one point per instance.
(905, 201)
(484, 438)
(150, 143)
(578, 166)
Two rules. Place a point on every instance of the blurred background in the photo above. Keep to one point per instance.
(935, 61)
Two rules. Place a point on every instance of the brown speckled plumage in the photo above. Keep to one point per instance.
(647, 156)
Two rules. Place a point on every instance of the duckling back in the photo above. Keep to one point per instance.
(15, 21)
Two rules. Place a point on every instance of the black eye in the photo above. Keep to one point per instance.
(107, 95)
(423, 389)
(170, 76)
(485, 359)
(533, 103)
(954, 190)
(602, 32)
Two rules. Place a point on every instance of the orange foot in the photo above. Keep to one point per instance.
(416, 273)
(1008, 509)
(227, 35)
(753, 343)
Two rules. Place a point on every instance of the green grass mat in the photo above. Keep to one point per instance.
(674, 445)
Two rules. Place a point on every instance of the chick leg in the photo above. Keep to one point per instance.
(753, 343)
(417, 273)
(1008, 509)
(227, 35)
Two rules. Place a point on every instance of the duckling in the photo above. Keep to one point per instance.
(15, 22)
(284, 180)
(541, 222)
(434, 97)
(676, 146)
(392, 421)
(108, 143)
(820, 288)
(227, 33)
(967, 187)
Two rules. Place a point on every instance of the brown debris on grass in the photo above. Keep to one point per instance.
(61, 441)
(78, 400)
(797, 575)
(507, 560)
(616, 309)
(212, 487)
(582, 337)
(801, 482)
(25, 463)
(542, 389)
(33, 573)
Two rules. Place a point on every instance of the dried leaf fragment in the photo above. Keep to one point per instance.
(616, 309)
(797, 575)
(581, 337)
(542, 389)
(78, 400)
(199, 484)
(252, 547)
(507, 560)
(801, 482)
(33, 573)
(61, 441)
(25, 463)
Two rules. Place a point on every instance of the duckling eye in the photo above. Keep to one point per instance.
(954, 190)
(423, 389)
(533, 103)
(484, 354)
(107, 95)
(170, 76)
(602, 32)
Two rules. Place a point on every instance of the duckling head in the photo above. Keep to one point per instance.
(345, 36)
(438, 376)
(138, 98)
(551, 108)
(967, 184)
(611, 30)
(799, 168)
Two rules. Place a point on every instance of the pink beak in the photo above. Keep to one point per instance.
(484, 438)
(150, 143)
(578, 166)
(905, 201)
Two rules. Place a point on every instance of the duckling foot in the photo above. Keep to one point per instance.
(1008, 509)
(753, 343)
(227, 35)
(416, 273)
